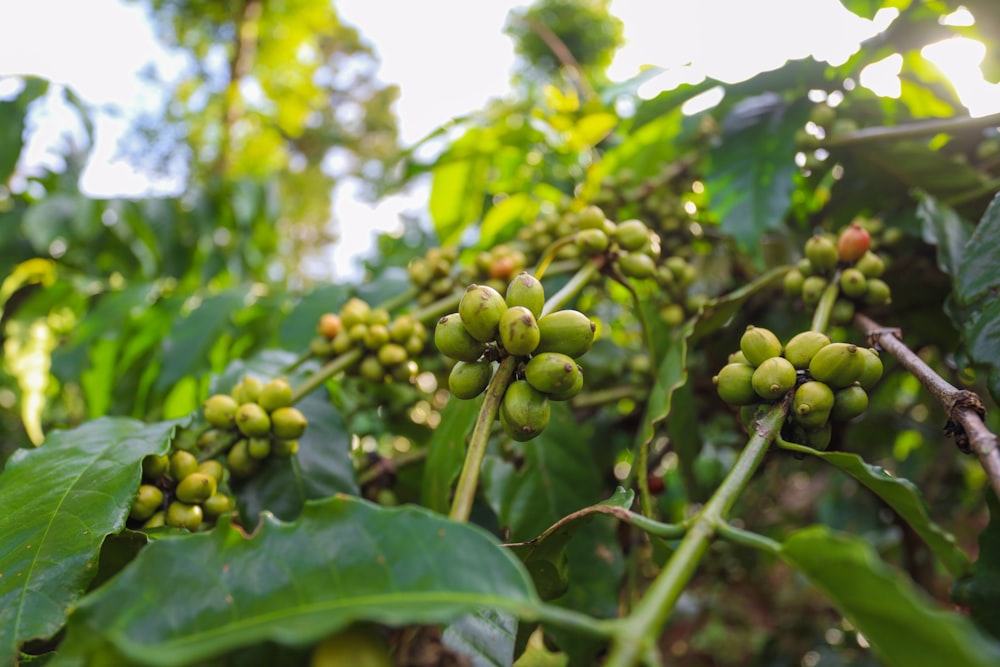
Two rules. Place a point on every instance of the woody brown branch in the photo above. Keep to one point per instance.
(965, 409)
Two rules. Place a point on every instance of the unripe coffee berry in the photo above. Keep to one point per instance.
(551, 372)
(821, 252)
(592, 241)
(392, 354)
(288, 423)
(871, 265)
(574, 389)
(802, 347)
(853, 283)
(773, 378)
(248, 390)
(632, 234)
(568, 332)
(182, 464)
(240, 463)
(371, 370)
(759, 344)
(812, 403)
(220, 410)
(155, 466)
(735, 384)
(469, 379)
(525, 411)
(481, 308)
(148, 500)
(525, 290)
(355, 311)
(275, 394)
(519, 333)
(252, 420)
(259, 448)
(183, 515)
(217, 505)
(873, 370)
(878, 293)
(196, 488)
(329, 325)
(838, 364)
(454, 340)
(637, 265)
(793, 282)
(212, 468)
(812, 289)
(849, 402)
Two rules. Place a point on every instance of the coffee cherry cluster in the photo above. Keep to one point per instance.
(499, 264)
(260, 420)
(179, 491)
(846, 259)
(489, 327)
(830, 380)
(388, 346)
(432, 274)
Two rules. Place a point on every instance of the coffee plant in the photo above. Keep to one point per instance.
(647, 388)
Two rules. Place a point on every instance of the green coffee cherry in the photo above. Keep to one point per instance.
(849, 402)
(217, 505)
(592, 241)
(821, 251)
(155, 466)
(454, 340)
(738, 357)
(248, 390)
(591, 217)
(158, 520)
(568, 332)
(842, 312)
(632, 235)
(148, 501)
(275, 394)
(288, 423)
(793, 282)
(240, 463)
(759, 344)
(838, 364)
(391, 354)
(774, 378)
(376, 335)
(812, 289)
(370, 369)
(220, 410)
(525, 290)
(802, 347)
(252, 420)
(735, 384)
(871, 265)
(818, 438)
(873, 370)
(183, 515)
(196, 488)
(812, 403)
(878, 293)
(551, 372)
(355, 311)
(284, 448)
(469, 379)
(401, 328)
(182, 464)
(525, 411)
(212, 468)
(259, 448)
(853, 283)
(481, 308)
(519, 333)
(637, 265)
(567, 394)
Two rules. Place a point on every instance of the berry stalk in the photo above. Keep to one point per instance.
(468, 480)
(821, 316)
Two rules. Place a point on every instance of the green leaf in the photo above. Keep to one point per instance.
(343, 560)
(720, 311)
(904, 498)
(980, 591)
(485, 636)
(750, 178)
(946, 230)
(671, 374)
(299, 328)
(458, 184)
(12, 119)
(557, 477)
(322, 466)
(446, 453)
(59, 502)
(512, 212)
(904, 626)
(977, 277)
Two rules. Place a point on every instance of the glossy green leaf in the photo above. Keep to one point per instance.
(511, 213)
(343, 560)
(12, 122)
(980, 591)
(555, 478)
(446, 452)
(458, 184)
(750, 175)
(59, 501)
(671, 374)
(977, 277)
(904, 626)
(943, 228)
(486, 637)
(904, 498)
(300, 326)
(322, 466)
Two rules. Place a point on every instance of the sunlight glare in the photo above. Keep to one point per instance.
(958, 59)
(882, 77)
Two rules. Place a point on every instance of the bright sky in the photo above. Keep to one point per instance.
(448, 56)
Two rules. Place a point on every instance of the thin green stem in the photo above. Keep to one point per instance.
(570, 289)
(220, 446)
(666, 531)
(821, 317)
(911, 130)
(390, 465)
(747, 538)
(638, 632)
(468, 480)
(433, 311)
(611, 395)
(332, 367)
(574, 620)
(645, 498)
(550, 254)
(400, 299)
(303, 358)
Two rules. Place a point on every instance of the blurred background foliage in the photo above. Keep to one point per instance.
(130, 306)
